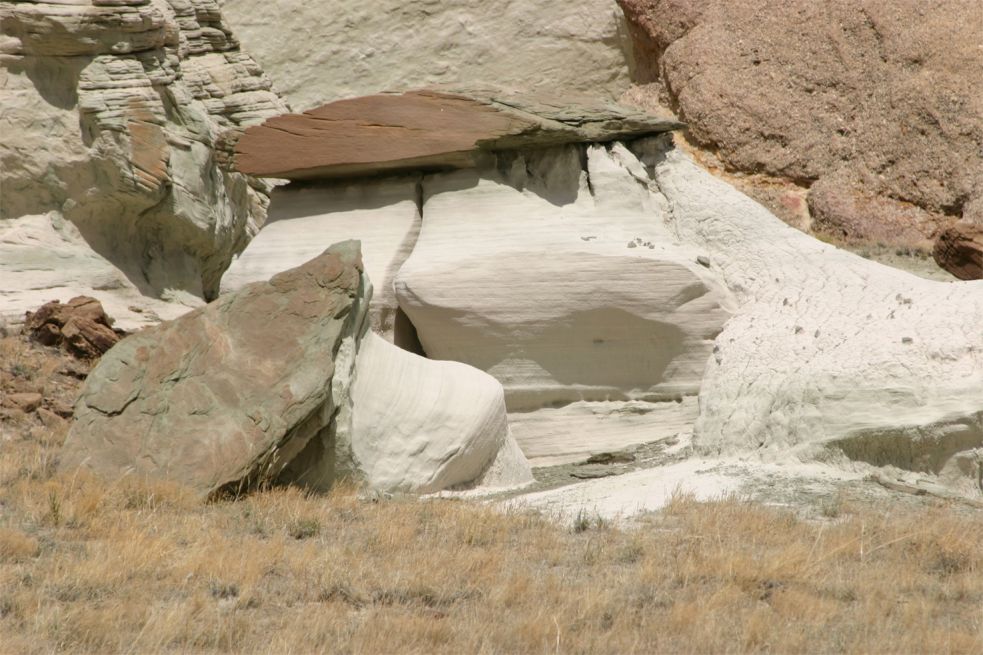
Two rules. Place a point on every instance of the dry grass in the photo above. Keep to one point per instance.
(144, 568)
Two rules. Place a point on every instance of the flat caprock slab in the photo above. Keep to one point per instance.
(428, 129)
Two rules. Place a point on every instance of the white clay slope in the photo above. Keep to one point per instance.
(828, 346)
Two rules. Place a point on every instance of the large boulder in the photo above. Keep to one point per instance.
(230, 394)
(263, 386)
(322, 51)
(116, 123)
(881, 92)
(422, 425)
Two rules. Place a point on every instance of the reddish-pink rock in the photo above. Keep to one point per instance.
(886, 91)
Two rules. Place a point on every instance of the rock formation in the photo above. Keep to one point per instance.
(268, 384)
(622, 295)
(303, 221)
(114, 174)
(876, 102)
(352, 48)
(422, 425)
(828, 350)
(423, 130)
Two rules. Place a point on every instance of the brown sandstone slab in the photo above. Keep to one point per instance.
(424, 129)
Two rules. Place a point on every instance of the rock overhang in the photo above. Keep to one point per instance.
(428, 130)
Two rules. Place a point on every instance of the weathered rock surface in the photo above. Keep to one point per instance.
(565, 285)
(828, 350)
(427, 129)
(356, 48)
(303, 222)
(847, 209)
(959, 250)
(883, 92)
(422, 425)
(45, 256)
(115, 122)
(268, 385)
(232, 393)
(80, 326)
(588, 300)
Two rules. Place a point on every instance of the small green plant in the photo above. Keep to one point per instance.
(304, 529)
(19, 370)
(831, 508)
(585, 521)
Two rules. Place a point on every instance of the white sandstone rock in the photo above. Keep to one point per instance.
(353, 48)
(420, 425)
(302, 222)
(562, 292)
(567, 287)
(562, 435)
(828, 348)
(116, 117)
(43, 258)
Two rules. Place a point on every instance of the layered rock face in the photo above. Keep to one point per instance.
(526, 185)
(959, 249)
(406, 133)
(302, 222)
(877, 103)
(268, 384)
(113, 156)
(356, 48)
(609, 307)
(621, 295)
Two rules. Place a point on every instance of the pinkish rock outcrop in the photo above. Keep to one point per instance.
(878, 102)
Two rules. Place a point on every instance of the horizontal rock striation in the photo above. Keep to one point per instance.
(117, 119)
(354, 48)
(828, 350)
(959, 250)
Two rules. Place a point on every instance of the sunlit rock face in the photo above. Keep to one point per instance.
(622, 295)
(115, 122)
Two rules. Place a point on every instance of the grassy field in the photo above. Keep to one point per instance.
(145, 568)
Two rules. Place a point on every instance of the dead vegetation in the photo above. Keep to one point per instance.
(139, 567)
